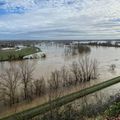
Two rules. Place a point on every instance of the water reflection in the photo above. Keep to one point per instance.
(59, 55)
(72, 50)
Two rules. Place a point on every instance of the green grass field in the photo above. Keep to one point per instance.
(30, 113)
(8, 55)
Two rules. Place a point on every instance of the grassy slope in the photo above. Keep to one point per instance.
(27, 114)
(5, 54)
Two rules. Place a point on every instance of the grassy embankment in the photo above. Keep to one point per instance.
(12, 54)
(30, 113)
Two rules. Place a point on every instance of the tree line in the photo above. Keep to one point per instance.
(17, 83)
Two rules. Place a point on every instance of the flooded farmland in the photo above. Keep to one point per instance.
(56, 59)
(106, 57)
(59, 55)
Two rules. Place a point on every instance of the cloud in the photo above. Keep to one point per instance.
(59, 19)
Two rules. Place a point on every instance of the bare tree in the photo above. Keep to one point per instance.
(84, 70)
(64, 76)
(112, 67)
(26, 71)
(9, 83)
(54, 84)
(74, 69)
(88, 68)
(39, 86)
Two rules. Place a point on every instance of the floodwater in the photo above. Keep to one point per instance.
(106, 56)
(56, 58)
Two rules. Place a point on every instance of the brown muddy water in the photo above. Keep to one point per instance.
(56, 58)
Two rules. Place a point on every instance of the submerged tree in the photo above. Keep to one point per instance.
(26, 71)
(10, 80)
(39, 86)
(84, 70)
(54, 87)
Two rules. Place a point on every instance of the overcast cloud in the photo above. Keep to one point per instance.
(59, 19)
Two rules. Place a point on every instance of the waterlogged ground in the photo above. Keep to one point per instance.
(56, 58)
(106, 56)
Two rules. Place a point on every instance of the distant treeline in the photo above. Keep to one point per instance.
(11, 43)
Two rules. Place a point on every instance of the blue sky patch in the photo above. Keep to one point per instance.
(16, 10)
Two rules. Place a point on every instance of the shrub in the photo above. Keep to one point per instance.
(113, 110)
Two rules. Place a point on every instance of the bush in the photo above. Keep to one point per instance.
(113, 110)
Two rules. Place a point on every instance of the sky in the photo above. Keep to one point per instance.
(59, 19)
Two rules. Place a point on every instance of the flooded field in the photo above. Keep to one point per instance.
(56, 59)
(106, 57)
